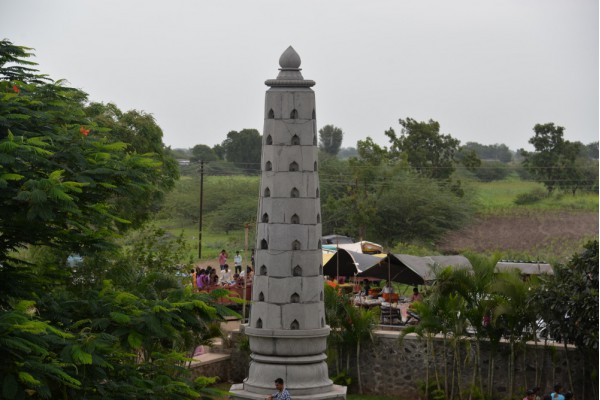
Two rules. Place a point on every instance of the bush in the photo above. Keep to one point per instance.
(491, 171)
(530, 197)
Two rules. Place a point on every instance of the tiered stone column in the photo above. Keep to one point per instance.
(287, 328)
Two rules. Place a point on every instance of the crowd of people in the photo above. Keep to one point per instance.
(556, 394)
(210, 278)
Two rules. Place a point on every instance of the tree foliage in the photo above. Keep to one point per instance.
(559, 163)
(72, 178)
(243, 148)
(330, 139)
(489, 152)
(362, 195)
(572, 299)
(426, 150)
(467, 307)
(202, 152)
(65, 178)
(490, 171)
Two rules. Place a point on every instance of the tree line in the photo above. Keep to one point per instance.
(417, 181)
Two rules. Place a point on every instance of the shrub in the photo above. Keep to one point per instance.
(491, 171)
(530, 197)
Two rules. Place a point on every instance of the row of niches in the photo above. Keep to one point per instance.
(293, 167)
(292, 115)
(295, 219)
(294, 298)
(294, 193)
(293, 326)
(294, 141)
(296, 271)
(296, 245)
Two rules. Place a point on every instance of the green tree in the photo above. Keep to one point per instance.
(491, 171)
(202, 152)
(143, 137)
(243, 148)
(67, 184)
(497, 152)
(360, 193)
(555, 160)
(568, 302)
(330, 139)
(427, 151)
(592, 150)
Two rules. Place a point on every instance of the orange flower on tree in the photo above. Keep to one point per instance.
(16, 89)
(84, 131)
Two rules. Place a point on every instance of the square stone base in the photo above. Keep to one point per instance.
(238, 393)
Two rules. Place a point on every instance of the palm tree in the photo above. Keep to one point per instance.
(358, 326)
(512, 315)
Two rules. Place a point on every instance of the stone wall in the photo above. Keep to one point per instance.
(397, 368)
(393, 368)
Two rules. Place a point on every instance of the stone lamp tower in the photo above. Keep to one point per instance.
(287, 330)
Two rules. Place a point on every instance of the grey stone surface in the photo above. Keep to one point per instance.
(390, 367)
(286, 328)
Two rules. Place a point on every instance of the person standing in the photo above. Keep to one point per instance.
(222, 259)
(237, 262)
(281, 393)
(557, 394)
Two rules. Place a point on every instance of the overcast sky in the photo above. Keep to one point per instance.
(487, 71)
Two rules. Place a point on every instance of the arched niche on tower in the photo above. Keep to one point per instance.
(269, 140)
(318, 218)
(267, 192)
(295, 325)
(297, 271)
(294, 166)
(295, 219)
(320, 270)
(268, 166)
(261, 296)
(314, 114)
(319, 244)
(294, 114)
(295, 140)
(315, 140)
(317, 193)
(295, 298)
(263, 270)
(296, 245)
(259, 323)
(265, 218)
(264, 245)
(315, 166)
(271, 114)
(294, 193)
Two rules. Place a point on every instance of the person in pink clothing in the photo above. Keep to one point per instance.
(222, 259)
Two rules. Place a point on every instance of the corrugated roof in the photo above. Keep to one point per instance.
(526, 268)
(413, 270)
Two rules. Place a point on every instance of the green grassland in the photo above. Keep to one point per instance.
(498, 197)
(494, 199)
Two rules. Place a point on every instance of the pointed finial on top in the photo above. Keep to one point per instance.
(289, 59)
(289, 73)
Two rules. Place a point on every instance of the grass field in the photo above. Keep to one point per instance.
(498, 197)
(550, 228)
